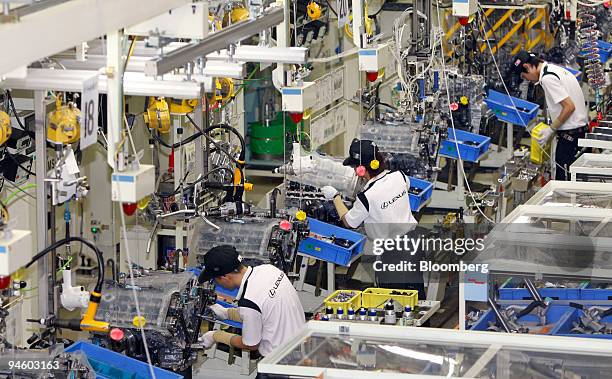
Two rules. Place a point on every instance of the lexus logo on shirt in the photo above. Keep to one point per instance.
(385, 204)
(272, 291)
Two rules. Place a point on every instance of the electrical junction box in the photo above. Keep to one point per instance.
(188, 21)
(13, 168)
(374, 59)
(15, 250)
(299, 98)
(132, 185)
(464, 8)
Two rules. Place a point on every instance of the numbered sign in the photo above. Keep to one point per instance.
(343, 12)
(89, 112)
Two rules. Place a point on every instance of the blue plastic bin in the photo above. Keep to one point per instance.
(509, 291)
(595, 294)
(554, 314)
(327, 251)
(605, 50)
(111, 365)
(566, 324)
(426, 190)
(468, 152)
(504, 108)
(552, 293)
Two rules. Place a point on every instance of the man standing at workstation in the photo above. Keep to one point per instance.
(383, 206)
(565, 103)
(268, 305)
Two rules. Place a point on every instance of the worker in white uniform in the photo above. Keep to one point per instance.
(565, 103)
(268, 305)
(383, 206)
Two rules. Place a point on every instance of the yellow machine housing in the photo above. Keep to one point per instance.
(538, 153)
(314, 10)
(157, 115)
(185, 106)
(239, 14)
(5, 128)
(224, 89)
(64, 123)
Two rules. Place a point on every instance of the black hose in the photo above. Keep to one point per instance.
(191, 185)
(387, 105)
(331, 9)
(533, 305)
(222, 126)
(196, 135)
(85, 242)
(239, 191)
(379, 10)
(12, 105)
(273, 196)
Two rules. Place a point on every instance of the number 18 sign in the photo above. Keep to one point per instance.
(89, 112)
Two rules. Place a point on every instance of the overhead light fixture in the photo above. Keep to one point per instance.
(224, 69)
(288, 55)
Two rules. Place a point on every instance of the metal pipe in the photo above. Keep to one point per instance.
(499, 315)
(42, 206)
(214, 42)
(532, 290)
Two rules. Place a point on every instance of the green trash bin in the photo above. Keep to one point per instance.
(266, 141)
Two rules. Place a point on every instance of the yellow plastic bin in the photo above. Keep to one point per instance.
(377, 297)
(354, 302)
(537, 154)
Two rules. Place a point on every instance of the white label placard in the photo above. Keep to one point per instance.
(89, 112)
(342, 7)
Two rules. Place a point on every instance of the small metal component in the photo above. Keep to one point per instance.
(351, 314)
(390, 316)
(340, 313)
(372, 315)
(342, 297)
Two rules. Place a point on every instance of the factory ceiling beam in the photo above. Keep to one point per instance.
(134, 83)
(214, 42)
(54, 29)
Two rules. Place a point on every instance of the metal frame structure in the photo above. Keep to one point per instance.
(214, 42)
(89, 20)
(572, 188)
(597, 165)
(72, 22)
(492, 342)
(535, 208)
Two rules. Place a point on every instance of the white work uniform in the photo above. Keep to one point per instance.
(383, 206)
(559, 84)
(270, 309)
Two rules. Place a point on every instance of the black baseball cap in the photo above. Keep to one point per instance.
(361, 152)
(218, 261)
(521, 58)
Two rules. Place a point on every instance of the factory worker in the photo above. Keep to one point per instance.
(565, 103)
(268, 305)
(383, 206)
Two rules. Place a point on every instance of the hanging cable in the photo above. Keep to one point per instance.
(459, 160)
(27, 170)
(331, 9)
(89, 244)
(514, 107)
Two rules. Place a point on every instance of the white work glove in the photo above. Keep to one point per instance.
(220, 311)
(545, 135)
(207, 339)
(329, 192)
